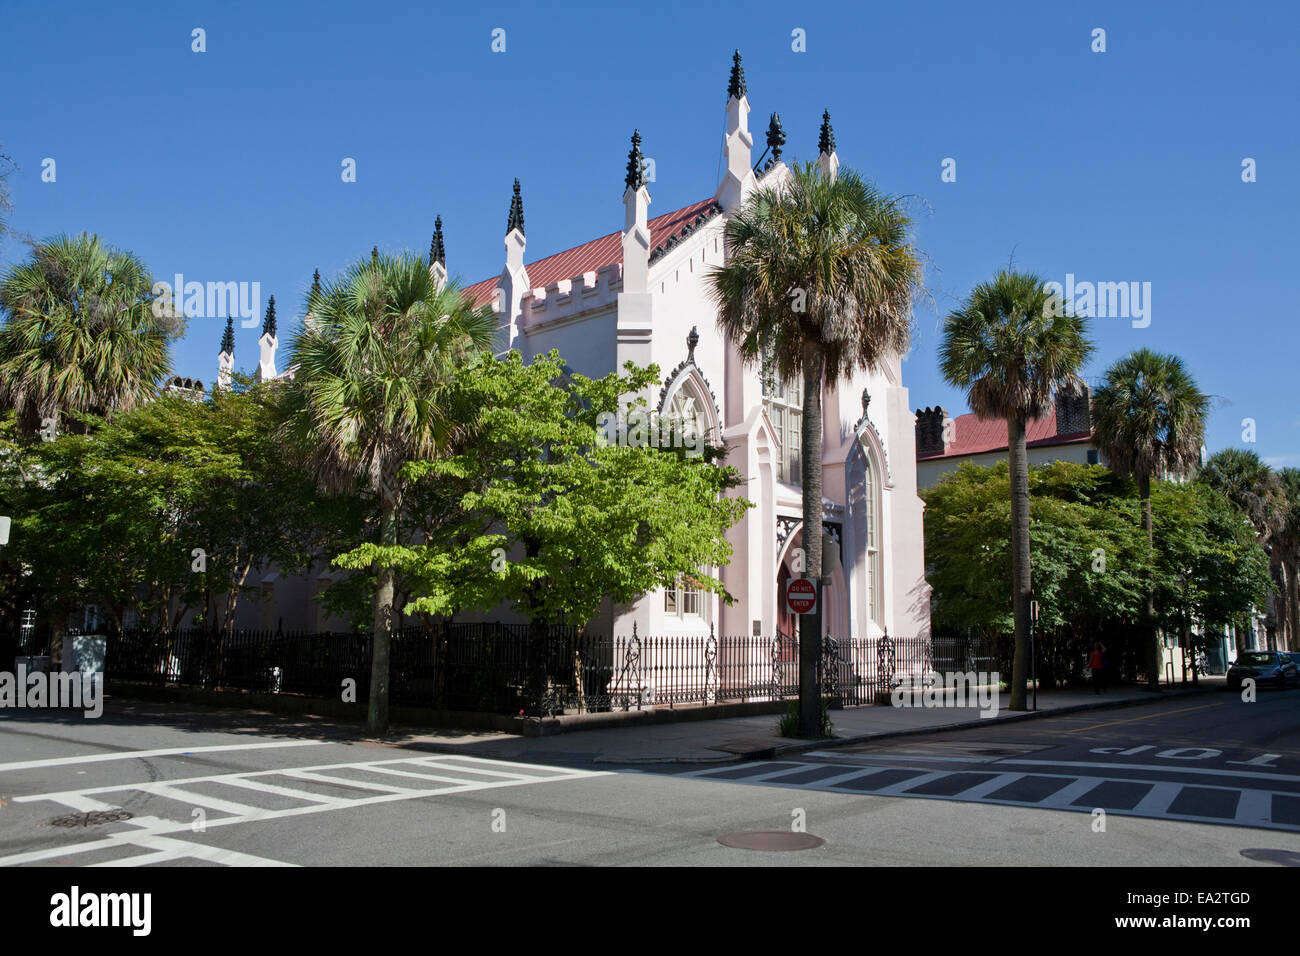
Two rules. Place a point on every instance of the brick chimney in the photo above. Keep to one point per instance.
(1074, 410)
(930, 430)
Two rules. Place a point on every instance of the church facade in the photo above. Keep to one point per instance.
(641, 294)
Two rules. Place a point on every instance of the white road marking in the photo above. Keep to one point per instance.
(1255, 807)
(1064, 798)
(1162, 768)
(982, 790)
(168, 849)
(145, 754)
(904, 785)
(150, 832)
(1159, 798)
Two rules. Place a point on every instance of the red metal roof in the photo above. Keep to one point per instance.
(971, 436)
(592, 255)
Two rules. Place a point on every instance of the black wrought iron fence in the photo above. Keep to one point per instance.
(523, 669)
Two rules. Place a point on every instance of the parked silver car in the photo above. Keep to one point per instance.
(1267, 668)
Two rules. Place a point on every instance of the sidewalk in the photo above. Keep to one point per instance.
(750, 738)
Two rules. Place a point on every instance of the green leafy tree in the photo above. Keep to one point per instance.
(1261, 495)
(81, 333)
(1011, 347)
(820, 279)
(540, 510)
(1149, 417)
(374, 359)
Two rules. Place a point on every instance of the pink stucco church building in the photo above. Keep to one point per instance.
(641, 294)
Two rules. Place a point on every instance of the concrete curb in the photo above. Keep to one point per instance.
(1009, 717)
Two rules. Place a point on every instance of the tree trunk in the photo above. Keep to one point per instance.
(1021, 580)
(1153, 634)
(810, 637)
(383, 618)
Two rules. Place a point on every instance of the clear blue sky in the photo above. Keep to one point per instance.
(1115, 166)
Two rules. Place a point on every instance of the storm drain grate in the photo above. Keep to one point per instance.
(94, 818)
(771, 840)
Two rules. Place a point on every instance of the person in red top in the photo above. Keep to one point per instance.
(1098, 664)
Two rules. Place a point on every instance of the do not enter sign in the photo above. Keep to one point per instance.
(800, 596)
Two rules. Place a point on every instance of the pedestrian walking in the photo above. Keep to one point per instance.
(1098, 664)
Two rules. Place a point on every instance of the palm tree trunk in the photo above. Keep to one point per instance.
(1153, 635)
(1021, 580)
(383, 616)
(810, 638)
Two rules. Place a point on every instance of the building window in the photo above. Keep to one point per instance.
(784, 404)
(683, 421)
(685, 598)
(1093, 457)
(873, 545)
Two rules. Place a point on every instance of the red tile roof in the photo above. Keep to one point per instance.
(592, 255)
(971, 436)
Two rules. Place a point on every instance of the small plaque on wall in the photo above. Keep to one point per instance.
(758, 628)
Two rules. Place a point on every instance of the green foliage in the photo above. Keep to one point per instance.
(1010, 348)
(576, 520)
(788, 724)
(113, 515)
(81, 333)
(1091, 563)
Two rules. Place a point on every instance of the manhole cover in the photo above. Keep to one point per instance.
(771, 840)
(93, 819)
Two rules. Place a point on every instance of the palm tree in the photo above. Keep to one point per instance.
(1011, 349)
(820, 277)
(84, 331)
(373, 362)
(1288, 551)
(1261, 495)
(1149, 417)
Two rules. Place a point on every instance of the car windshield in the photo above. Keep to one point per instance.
(1257, 658)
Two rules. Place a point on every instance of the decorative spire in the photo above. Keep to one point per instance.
(692, 340)
(775, 137)
(315, 284)
(826, 142)
(374, 255)
(736, 85)
(268, 323)
(866, 400)
(635, 178)
(437, 251)
(228, 339)
(516, 220)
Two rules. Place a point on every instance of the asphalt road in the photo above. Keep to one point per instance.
(1205, 780)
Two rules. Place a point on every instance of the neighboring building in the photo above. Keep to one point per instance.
(943, 444)
(641, 295)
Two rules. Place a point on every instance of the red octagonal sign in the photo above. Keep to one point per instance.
(800, 596)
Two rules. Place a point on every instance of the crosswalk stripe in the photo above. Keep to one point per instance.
(982, 790)
(1254, 806)
(904, 785)
(260, 787)
(167, 849)
(418, 776)
(1064, 798)
(200, 800)
(1158, 798)
(349, 782)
